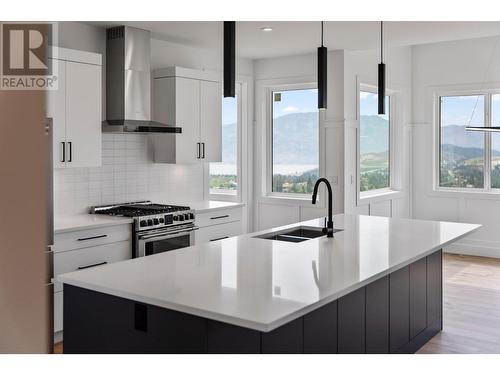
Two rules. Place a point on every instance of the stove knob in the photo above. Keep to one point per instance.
(176, 218)
(155, 221)
(143, 223)
(181, 217)
(191, 216)
(150, 222)
(186, 216)
(161, 220)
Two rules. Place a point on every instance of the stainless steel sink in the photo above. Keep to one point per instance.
(297, 234)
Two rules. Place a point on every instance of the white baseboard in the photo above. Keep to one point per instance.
(481, 248)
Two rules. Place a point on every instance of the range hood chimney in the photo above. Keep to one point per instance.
(128, 83)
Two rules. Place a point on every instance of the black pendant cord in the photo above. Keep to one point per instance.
(381, 74)
(229, 59)
(322, 72)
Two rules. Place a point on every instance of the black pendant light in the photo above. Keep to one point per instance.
(322, 69)
(381, 74)
(229, 59)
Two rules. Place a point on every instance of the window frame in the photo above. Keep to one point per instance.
(488, 94)
(269, 139)
(363, 196)
(240, 92)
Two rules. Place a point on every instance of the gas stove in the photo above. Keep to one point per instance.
(148, 215)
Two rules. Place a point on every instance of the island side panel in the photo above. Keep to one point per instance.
(399, 309)
(225, 338)
(418, 297)
(320, 330)
(377, 316)
(351, 323)
(366, 320)
(287, 339)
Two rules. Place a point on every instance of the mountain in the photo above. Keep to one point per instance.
(458, 136)
(295, 138)
(374, 136)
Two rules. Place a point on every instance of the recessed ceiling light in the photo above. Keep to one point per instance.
(266, 28)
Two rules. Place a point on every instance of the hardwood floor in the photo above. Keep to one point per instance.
(471, 322)
(471, 307)
(58, 348)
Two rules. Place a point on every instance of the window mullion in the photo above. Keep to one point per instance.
(487, 146)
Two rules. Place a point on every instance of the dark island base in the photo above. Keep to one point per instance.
(398, 313)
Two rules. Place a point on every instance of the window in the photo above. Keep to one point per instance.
(223, 176)
(495, 142)
(462, 153)
(469, 159)
(374, 143)
(294, 141)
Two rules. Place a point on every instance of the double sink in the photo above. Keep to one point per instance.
(296, 234)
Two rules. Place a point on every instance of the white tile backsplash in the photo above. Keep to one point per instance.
(127, 174)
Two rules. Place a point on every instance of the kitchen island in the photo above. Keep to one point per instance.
(376, 287)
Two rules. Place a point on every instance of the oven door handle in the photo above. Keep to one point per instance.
(167, 235)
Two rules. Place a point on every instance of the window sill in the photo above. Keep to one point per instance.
(462, 193)
(290, 200)
(224, 198)
(379, 196)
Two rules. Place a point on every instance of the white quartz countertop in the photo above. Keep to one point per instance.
(67, 223)
(86, 221)
(262, 284)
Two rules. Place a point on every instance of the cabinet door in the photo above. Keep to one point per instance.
(351, 323)
(217, 232)
(56, 109)
(83, 115)
(399, 308)
(211, 120)
(187, 110)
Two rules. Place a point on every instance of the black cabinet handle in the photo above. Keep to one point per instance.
(219, 217)
(92, 238)
(198, 152)
(63, 144)
(203, 144)
(220, 238)
(70, 152)
(92, 265)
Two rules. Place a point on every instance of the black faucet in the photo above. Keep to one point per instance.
(329, 225)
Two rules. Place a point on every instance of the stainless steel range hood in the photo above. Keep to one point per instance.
(128, 83)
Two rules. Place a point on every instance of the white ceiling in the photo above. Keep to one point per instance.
(298, 37)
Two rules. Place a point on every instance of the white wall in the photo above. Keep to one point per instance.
(127, 175)
(361, 68)
(451, 65)
(117, 178)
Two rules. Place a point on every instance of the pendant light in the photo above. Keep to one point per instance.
(492, 129)
(229, 59)
(322, 70)
(381, 74)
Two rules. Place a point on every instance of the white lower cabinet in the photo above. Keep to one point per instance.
(218, 232)
(218, 224)
(71, 255)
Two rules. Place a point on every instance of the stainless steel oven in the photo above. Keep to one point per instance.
(156, 241)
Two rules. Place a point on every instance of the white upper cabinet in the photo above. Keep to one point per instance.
(75, 108)
(192, 100)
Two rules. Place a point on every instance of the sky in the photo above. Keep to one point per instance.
(368, 103)
(295, 101)
(229, 110)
